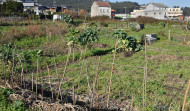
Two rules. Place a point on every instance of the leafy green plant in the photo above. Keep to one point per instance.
(89, 36)
(68, 19)
(128, 43)
(162, 24)
(5, 105)
(77, 22)
(73, 39)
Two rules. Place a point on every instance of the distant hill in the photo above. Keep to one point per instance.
(86, 4)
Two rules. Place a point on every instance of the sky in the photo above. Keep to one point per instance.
(170, 3)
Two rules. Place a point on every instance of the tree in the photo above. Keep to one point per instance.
(186, 11)
(11, 8)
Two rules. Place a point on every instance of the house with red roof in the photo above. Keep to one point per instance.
(100, 8)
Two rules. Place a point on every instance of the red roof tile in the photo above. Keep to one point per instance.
(102, 4)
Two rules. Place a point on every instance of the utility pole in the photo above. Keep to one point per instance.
(125, 12)
(78, 10)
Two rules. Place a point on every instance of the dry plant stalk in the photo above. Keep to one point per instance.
(68, 56)
(185, 97)
(96, 84)
(19, 58)
(73, 93)
(119, 92)
(87, 78)
(132, 102)
(55, 64)
(82, 66)
(50, 82)
(3, 61)
(144, 79)
(37, 78)
(32, 81)
(112, 73)
(41, 76)
(13, 63)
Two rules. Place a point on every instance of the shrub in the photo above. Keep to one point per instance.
(128, 43)
(162, 24)
(104, 24)
(77, 22)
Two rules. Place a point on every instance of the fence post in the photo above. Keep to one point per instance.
(169, 36)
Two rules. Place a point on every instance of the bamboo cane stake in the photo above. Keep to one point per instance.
(183, 108)
(32, 81)
(144, 80)
(112, 73)
(55, 64)
(68, 56)
(50, 82)
(3, 61)
(73, 93)
(13, 63)
(82, 66)
(37, 79)
(96, 83)
(19, 58)
(73, 52)
(132, 102)
(87, 78)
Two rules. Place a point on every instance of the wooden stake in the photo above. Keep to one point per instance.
(96, 83)
(73, 93)
(144, 80)
(37, 80)
(169, 38)
(3, 61)
(82, 66)
(32, 81)
(183, 108)
(87, 78)
(19, 58)
(50, 82)
(12, 77)
(112, 73)
(55, 65)
(132, 102)
(68, 56)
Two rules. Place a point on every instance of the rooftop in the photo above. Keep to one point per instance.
(102, 4)
(159, 5)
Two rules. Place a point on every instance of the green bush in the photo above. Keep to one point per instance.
(77, 22)
(128, 43)
(162, 24)
(104, 24)
(5, 105)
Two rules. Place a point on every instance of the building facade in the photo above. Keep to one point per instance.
(158, 11)
(100, 8)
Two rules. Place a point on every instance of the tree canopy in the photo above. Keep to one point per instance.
(186, 11)
(86, 4)
(11, 8)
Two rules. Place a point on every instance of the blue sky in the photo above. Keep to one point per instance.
(170, 3)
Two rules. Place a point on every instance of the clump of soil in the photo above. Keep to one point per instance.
(128, 53)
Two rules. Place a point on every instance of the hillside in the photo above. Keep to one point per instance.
(86, 4)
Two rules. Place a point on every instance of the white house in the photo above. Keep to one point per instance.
(158, 11)
(100, 8)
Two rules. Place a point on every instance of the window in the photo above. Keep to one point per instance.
(103, 10)
(108, 11)
(100, 10)
(154, 13)
(173, 9)
(146, 13)
(160, 13)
